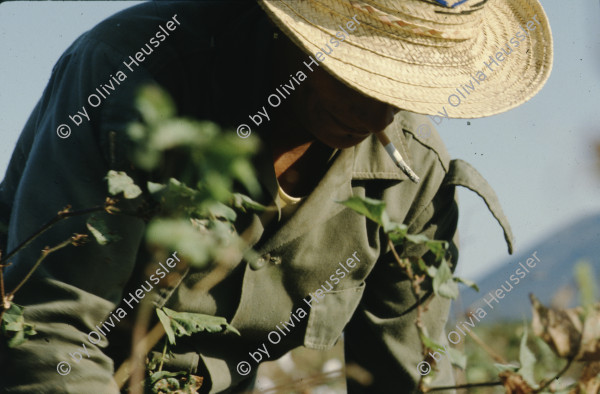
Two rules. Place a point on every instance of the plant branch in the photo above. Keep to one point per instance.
(139, 350)
(396, 255)
(148, 342)
(109, 206)
(162, 358)
(45, 252)
(7, 298)
(462, 386)
(415, 288)
(2, 298)
(558, 375)
(64, 214)
(145, 344)
(487, 349)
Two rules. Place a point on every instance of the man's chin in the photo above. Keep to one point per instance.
(344, 141)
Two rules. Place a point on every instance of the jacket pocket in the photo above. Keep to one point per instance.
(328, 317)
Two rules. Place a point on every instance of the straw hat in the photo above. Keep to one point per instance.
(423, 56)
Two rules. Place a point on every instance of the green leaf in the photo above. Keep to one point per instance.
(527, 360)
(146, 158)
(182, 132)
(396, 232)
(177, 199)
(245, 203)
(218, 185)
(178, 324)
(118, 182)
(220, 210)
(457, 358)
(506, 367)
(180, 189)
(180, 235)
(371, 208)
(443, 282)
(430, 270)
(100, 232)
(467, 282)
(430, 343)
(172, 384)
(584, 276)
(154, 188)
(154, 104)
(156, 376)
(417, 238)
(14, 327)
(166, 322)
(137, 132)
(243, 171)
(438, 248)
(168, 382)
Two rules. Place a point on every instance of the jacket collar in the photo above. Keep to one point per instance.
(365, 161)
(318, 206)
(371, 161)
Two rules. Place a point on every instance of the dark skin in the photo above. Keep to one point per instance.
(322, 114)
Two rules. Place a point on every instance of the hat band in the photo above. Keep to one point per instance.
(411, 27)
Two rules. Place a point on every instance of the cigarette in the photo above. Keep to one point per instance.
(396, 156)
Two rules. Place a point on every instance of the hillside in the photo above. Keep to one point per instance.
(551, 279)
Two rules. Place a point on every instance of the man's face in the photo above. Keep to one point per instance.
(339, 116)
(333, 113)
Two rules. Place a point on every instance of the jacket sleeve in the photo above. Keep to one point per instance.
(381, 336)
(75, 288)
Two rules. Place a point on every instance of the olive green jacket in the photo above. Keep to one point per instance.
(372, 303)
(78, 288)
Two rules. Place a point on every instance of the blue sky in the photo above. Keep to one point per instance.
(539, 157)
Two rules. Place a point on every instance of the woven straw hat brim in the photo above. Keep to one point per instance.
(419, 75)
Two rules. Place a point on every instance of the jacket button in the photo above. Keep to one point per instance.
(260, 262)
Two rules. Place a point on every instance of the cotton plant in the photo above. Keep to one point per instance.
(195, 213)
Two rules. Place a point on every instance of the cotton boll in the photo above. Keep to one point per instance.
(286, 363)
(264, 383)
(332, 365)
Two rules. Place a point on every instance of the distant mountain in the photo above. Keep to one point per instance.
(551, 279)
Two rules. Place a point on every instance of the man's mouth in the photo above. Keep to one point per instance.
(337, 121)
